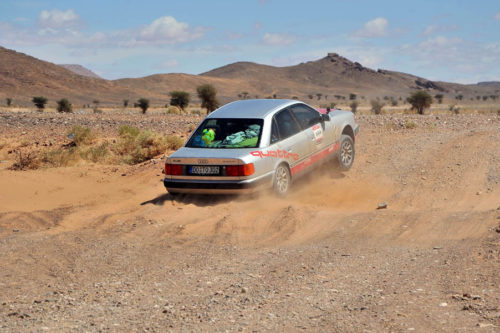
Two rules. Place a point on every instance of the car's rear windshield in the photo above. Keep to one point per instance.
(227, 133)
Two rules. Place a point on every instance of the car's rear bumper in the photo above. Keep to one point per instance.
(197, 186)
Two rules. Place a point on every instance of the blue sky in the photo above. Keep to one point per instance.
(448, 40)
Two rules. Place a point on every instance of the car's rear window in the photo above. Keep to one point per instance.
(227, 133)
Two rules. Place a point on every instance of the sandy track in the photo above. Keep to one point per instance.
(88, 248)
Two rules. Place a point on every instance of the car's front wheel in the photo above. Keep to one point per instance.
(346, 153)
(282, 180)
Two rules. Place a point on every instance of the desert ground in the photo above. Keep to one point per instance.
(102, 247)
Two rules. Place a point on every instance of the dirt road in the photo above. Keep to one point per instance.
(104, 248)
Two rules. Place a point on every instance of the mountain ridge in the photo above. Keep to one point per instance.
(324, 81)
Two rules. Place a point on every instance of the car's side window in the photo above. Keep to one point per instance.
(306, 116)
(287, 126)
(275, 136)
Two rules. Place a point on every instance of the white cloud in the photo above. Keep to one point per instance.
(497, 16)
(435, 28)
(277, 39)
(57, 19)
(233, 35)
(374, 28)
(430, 29)
(168, 64)
(432, 44)
(167, 30)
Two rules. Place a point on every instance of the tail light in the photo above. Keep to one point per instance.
(173, 169)
(240, 170)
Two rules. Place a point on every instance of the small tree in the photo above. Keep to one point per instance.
(377, 106)
(96, 105)
(352, 96)
(125, 103)
(208, 95)
(319, 95)
(179, 98)
(63, 105)
(439, 98)
(354, 106)
(420, 100)
(143, 104)
(39, 102)
(8, 100)
(459, 97)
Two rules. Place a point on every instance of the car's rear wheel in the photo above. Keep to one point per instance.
(282, 180)
(346, 153)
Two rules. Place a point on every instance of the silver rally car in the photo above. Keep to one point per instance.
(263, 143)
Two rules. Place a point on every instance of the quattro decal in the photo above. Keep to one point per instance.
(275, 153)
(315, 158)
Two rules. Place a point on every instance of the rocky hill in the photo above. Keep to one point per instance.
(80, 70)
(327, 80)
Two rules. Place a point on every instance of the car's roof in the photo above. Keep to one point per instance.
(251, 108)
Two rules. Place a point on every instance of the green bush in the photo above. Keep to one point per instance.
(143, 104)
(179, 98)
(39, 102)
(63, 105)
(376, 106)
(420, 100)
(208, 95)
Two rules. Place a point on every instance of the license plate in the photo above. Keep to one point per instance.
(204, 170)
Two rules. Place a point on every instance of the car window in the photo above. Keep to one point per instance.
(227, 133)
(275, 136)
(306, 116)
(287, 126)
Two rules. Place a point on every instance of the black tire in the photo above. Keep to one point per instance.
(346, 152)
(282, 180)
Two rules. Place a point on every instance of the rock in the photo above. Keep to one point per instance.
(382, 205)
(15, 230)
(443, 304)
(244, 290)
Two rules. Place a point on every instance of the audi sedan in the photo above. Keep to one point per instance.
(250, 145)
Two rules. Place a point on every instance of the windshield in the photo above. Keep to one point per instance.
(227, 133)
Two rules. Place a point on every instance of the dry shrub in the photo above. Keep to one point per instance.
(96, 154)
(26, 161)
(410, 124)
(3, 144)
(174, 142)
(135, 146)
(81, 135)
(172, 109)
(60, 157)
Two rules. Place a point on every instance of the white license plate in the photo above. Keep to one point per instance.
(204, 170)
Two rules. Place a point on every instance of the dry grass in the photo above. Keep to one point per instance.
(133, 146)
(136, 146)
(81, 136)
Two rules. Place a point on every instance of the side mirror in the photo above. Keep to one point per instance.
(325, 117)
